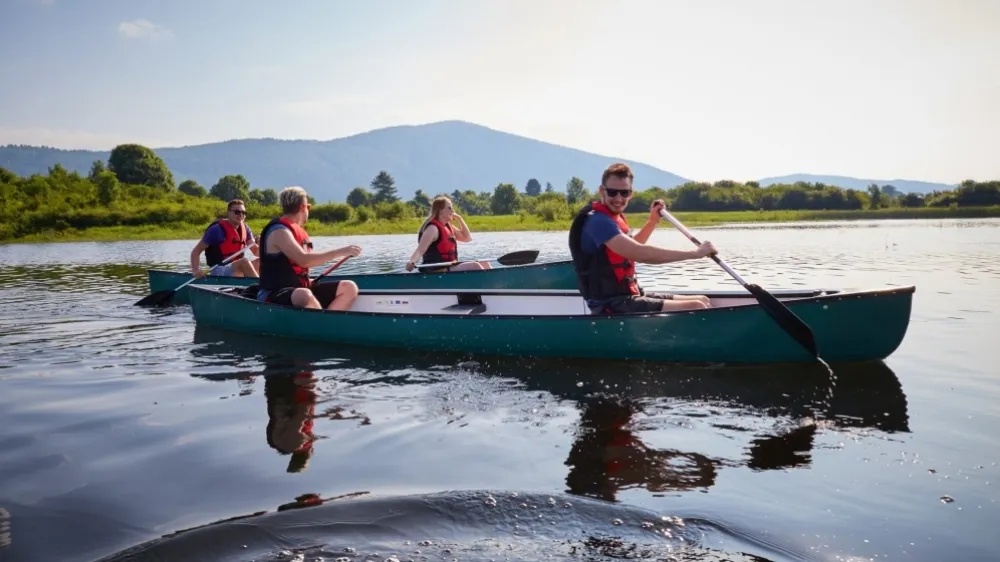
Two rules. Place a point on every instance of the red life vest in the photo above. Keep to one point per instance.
(602, 275)
(290, 397)
(234, 241)
(445, 248)
(305, 397)
(276, 270)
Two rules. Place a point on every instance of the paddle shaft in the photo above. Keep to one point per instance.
(442, 264)
(677, 224)
(226, 261)
(520, 257)
(331, 268)
(785, 318)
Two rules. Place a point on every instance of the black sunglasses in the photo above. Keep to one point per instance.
(238, 212)
(616, 192)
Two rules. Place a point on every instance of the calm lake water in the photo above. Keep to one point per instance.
(120, 424)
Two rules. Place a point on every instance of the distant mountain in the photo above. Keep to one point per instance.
(436, 157)
(905, 186)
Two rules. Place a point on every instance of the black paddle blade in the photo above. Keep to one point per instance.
(785, 318)
(518, 258)
(159, 298)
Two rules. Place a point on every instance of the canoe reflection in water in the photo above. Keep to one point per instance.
(783, 407)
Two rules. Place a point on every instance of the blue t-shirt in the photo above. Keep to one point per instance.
(598, 229)
(215, 235)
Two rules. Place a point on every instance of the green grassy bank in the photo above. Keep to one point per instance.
(489, 223)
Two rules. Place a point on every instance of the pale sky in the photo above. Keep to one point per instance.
(707, 89)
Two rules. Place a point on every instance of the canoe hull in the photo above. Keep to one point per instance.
(550, 275)
(849, 326)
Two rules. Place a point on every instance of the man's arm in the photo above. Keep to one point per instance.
(214, 235)
(654, 219)
(252, 242)
(647, 229)
(642, 253)
(283, 241)
(200, 247)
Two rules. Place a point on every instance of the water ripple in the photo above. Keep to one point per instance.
(123, 424)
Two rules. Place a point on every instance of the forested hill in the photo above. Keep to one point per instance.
(436, 158)
(903, 186)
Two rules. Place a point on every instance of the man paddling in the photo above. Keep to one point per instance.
(286, 256)
(222, 239)
(605, 253)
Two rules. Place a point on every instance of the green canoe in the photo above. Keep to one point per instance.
(549, 275)
(849, 325)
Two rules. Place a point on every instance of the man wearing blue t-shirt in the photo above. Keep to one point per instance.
(605, 253)
(221, 240)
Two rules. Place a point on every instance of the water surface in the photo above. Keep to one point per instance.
(120, 424)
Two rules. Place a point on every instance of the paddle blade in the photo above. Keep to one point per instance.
(518, 258)
(159, 298)
(785, 318)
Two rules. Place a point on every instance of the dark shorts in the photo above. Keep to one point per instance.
(648, 302)
(324, 292)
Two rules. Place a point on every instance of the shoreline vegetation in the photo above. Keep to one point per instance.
(132, 196)
(503, 223)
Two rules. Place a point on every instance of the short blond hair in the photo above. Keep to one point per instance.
(291, 198)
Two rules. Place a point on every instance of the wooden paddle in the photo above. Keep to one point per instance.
(784, 317)
(161, 298)
(329, 269)
(521, 257)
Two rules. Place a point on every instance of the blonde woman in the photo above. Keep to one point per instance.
(438, 239)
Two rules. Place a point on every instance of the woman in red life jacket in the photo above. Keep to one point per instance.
(605, 253)
(437, 239)
(224, 238)
(286, 256)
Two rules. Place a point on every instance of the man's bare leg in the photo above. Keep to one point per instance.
(347, 291)
(702, 298)
(675, 304)
(304, 298)
(243, 268)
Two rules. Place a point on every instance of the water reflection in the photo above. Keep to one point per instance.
(291, 413)
(785, 407)
(608, 456)
(75, 277)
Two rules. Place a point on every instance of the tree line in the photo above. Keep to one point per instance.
(136, 188)
(723, 195)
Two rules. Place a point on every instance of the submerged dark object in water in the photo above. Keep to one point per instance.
(469, 525)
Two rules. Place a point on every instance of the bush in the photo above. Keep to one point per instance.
(397, 210)
(550, 211)
(363, 214)
(332, 212)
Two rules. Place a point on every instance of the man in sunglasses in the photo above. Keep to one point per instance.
(605, 253)
(222, 239)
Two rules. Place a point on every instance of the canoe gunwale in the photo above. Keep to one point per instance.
(415, 273)
(219, 291)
